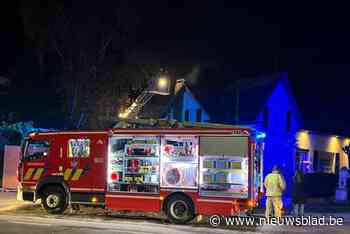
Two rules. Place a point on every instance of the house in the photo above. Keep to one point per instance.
(267, 104)
(181, 105)
(321, 152)
(264, 103)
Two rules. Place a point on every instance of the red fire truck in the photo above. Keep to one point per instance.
(182, 172)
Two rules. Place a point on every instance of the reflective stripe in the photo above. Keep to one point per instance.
(80, 189)
(98, 190)
(77, 174)
(29, 173)
(126, 196)
(88, 203)
(63, 133)
(38, 173)
(35, 164)
(87, 189)
(67, 173)
(214, 201)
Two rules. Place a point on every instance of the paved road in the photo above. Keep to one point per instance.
(8, 201)
(25, 224)
(33, 219)
(29, 224)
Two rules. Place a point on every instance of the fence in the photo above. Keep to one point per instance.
(10, 159)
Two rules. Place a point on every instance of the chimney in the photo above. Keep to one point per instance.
(178, 85)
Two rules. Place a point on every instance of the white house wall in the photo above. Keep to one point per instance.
(191, 104)
(328, 143)
(280, 144)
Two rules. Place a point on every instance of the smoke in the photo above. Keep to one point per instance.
(193, 76)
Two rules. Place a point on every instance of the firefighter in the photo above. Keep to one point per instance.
(275, 185)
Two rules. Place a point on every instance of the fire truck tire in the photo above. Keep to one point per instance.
(54, 200)
(179, 209)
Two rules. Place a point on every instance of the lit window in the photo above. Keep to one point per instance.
(303, 161)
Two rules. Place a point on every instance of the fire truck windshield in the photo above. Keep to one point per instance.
(35, 149)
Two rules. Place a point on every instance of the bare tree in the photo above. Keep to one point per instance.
(88, 44)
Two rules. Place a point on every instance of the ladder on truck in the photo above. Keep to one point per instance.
(159, 86)
(164, 123)
(129, 118)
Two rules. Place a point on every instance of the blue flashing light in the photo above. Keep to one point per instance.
(260, 135)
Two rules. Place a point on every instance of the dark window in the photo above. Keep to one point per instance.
(266, 117)
(187, 115)
(337, 164)
(315, 161)
(288, 121)
(324, 161)
(199, 115)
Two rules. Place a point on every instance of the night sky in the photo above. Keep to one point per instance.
(310, 42)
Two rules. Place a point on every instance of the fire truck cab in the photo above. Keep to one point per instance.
(181, 172)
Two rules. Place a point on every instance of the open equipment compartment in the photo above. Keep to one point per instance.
(224, 166)
(179, 162)
(133, 164)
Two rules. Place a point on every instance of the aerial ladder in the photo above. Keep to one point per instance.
(159, 86)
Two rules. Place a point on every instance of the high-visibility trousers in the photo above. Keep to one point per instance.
(274, 206)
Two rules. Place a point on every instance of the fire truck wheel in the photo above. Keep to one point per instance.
(54, 200)
(179, 209)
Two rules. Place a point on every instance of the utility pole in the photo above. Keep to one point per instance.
(237, 91)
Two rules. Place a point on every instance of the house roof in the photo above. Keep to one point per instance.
(220, 102)
(159, 105)
(250, 94)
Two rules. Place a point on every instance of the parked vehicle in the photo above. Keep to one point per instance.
(180, 171)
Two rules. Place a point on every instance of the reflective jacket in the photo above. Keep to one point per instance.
(274, 184)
